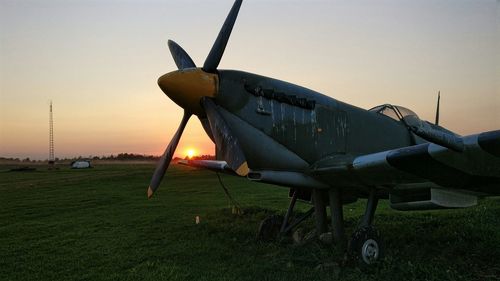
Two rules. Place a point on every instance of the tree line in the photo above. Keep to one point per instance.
(117, 157)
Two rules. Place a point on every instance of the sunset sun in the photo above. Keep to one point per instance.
(190, 152)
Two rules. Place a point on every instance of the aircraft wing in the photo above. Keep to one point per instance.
(476, 168)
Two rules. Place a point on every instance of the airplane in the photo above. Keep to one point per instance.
(327, 152)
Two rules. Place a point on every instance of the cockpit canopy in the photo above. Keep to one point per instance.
(395, 112)
(423, 129)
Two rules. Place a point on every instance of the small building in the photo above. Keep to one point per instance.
(81, 164)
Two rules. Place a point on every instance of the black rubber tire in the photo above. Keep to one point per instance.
(269, 228)
(366, 234)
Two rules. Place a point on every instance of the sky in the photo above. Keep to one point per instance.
(98, 61)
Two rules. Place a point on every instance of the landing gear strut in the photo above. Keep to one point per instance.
(366, 246)
(337, 215)
(274, 226)
(318, 197)
(286, 225)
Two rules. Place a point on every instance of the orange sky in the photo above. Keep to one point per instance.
(99, 62)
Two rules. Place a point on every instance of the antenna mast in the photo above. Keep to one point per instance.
(51, 137)
(437, 109)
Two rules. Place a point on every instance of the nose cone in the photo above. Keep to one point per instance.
(186, 87)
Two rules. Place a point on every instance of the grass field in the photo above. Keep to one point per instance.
(97, 224)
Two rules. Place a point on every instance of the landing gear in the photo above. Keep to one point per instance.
(287, 226)
(318, 198)
(275, 226)
(269, 228)
(337, 215)
(366, 247)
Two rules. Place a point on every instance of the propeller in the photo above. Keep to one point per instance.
(165, 159)
(181, 58)
(215, 55)
(191, 85)
(224, 139)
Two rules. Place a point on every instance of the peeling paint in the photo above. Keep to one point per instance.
(260, 103)
(342, 125)
(313, 123)
(260, 107)
(294, 127)
(272, 112)
(283, 128)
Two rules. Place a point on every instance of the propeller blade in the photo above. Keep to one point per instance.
(225, 141)
(165, 159)
(181, 58)
(206, 126)
(220, 43)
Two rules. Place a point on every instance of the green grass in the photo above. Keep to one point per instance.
(97, 224)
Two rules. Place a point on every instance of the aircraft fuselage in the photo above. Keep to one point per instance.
(310, 125)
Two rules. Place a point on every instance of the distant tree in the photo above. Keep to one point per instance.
(125, 156)
(203, 157)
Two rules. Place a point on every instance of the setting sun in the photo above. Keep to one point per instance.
(190, 152)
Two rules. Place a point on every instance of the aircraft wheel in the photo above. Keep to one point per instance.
(269, 228)
(366, 247)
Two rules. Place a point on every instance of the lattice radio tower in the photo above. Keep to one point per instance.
(51, 137)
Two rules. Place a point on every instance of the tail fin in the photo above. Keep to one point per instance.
(437, 109)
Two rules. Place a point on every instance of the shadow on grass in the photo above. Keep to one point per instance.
(437, 245)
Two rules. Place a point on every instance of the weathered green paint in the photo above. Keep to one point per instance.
(330, 128)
